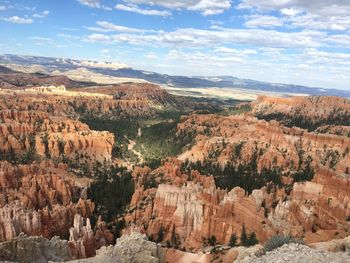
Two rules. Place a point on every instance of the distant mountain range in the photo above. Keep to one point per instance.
(48, 65)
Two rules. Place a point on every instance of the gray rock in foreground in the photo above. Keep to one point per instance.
(296, 253)
(133, 248)
(34, 249)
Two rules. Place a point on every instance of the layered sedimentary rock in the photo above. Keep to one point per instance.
(186, 208)
(47, 222)
(45, 146)
(82, 238)
(185, 215)
(149, 98)
(217, 138)
(335, 129)
(43, 143)
(34, 187)
(308, 112)
(319, 208)
(51, 136)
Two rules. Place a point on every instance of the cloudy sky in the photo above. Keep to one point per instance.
(303, 42)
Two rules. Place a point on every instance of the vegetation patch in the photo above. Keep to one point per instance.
(278, 241)
(305, 122)
(111, 191)
(155, 138)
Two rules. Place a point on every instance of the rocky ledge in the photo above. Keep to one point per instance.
(129, 248)
(34, 249)
(296, 253)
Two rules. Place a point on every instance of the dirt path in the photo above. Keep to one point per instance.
(131, 146)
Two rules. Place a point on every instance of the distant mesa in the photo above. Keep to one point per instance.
(120, 70)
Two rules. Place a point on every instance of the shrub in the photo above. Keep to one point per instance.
(278, 241)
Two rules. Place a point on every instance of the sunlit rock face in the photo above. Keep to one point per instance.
(81, 237)
(310, 112)
(191, 210)
(51, 136)
(172, 205)
(40, 140)
(189, 214)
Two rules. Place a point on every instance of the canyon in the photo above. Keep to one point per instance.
(274, 166)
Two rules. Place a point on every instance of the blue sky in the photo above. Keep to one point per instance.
(286, 41)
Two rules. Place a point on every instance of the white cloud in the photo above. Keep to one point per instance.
(18, 20)
(305, 68)
(295, 57)
(330, 7)
(136, 9)
(318, 22)
(199, 38)
(100, 38)
(91, 3)
(94, 4)
(327, 55)
(205, 7)
(204, 59)
(105, 51)
(109, 27)
(290, 11)
(211, 7)
(216, 22)
(239, 52)
(44, 41)
(98, 29)
(313, 14)
(263, 21)
(340, 40)
(42, 15)
(69, 37)
(151, 55)
(3, 8)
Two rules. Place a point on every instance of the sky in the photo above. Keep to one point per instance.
(304, 42)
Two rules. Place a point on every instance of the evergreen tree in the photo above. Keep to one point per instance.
(212, 241)
(160, 235)
(233, 240)
(252, 240)
(244, 237)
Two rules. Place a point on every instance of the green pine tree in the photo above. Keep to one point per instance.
(233, 240)
(252, 239)
(212, 241)
(244, 237)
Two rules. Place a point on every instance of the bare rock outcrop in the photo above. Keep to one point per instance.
(296, 253)
(133, 248)
(81, 238)
(15, 219)
(38, 200)
(33, 249)
(184, 213)
(310, 112)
